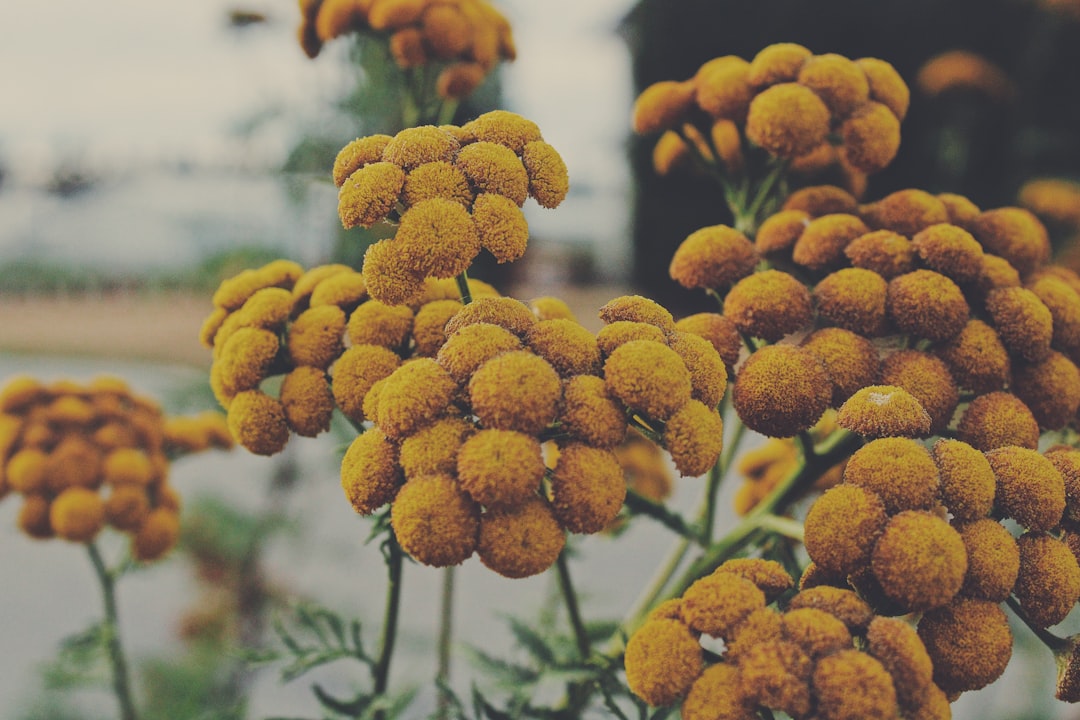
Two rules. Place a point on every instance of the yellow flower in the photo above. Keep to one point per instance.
(459, 80)
(244, 362)
(871, 137)
(712, 258)
(407, 48)
(1023, 322)
(649, 377)
(761, 626)
(776, 674)
(851, 685)
(777, 63)
(257, 421)
(370, 473)
(778, 232)
(961, 210)
(501, 226)
(266, 309)
(769, 305)
(708, 374)
(670, 154)
(75, 461)
(949, 250)
(896, 645)
(504, 128)
(919, 560)
(506, 312)
(716, 603)
(414, 395)
(346, 290)
(473, 345)
(436, 238)
(77, 514)
(569, 347)
(549, 180)
(551, 308)
(360, 152)
(781, 390)
(1064, 304)
(1048, 584)
(590, 413)
(719, 331)
(500, 468)
(663, 659)
(956, 70)
(820, 246)
(234, 292)
(694, 435)
(587, 488)
(993, 560)
(968, 483)
(491, 167)
(307, 400)
(128, 466)
(1055, 200)
(886, 85)
(1050, 389)
(637, 308)
(446, 30)
(927, 378)
(787, 120)
(434, 449)
(662, 106)
(127, 507)
(369, 194)
(435, 521)
(520, 541)
(905, 211)
(412, 147)
(998, 419)
(1014, 234)
(386, 276)
(885, 252)
(815, 631)
(722, 87)
(843, 604)
(516, 390)
(927, 304)
(25, 470)
(355, 372)
(1030, 489)
(851, 360)
(968, 641)
(157, 535)
(620, 332)
(882, 411)
(376, 323)
(718, 693)
(305, 285)
(842, 526)
(977, 359)
(439, 179)
(428, 325)
(898, 470)
(315, 336)
(818, 200)
(20, 392)
(838, 81)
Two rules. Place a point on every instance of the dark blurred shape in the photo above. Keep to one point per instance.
(70, 179)
(963, 139)
(241, 18)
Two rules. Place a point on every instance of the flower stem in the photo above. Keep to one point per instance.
(463, 287)
(1053, 642)
(121, 682)
(381, 670)
(446, 623)
(566, 586)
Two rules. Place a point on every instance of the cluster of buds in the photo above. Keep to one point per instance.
(820, 652)
(506, 439)
(83, 457)
(814, 111)
(466, 39)
(451, 191)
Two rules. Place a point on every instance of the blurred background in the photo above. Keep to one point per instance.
(148, 151)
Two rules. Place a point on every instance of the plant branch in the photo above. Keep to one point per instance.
(673, 521)
(1053, 642)
(566, 587)
(121, 681)
(381, 669)
(446, 624)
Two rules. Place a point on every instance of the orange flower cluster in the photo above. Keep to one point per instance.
(83, 457)
(320, 333)
(457, 446)
(821, 653)
(812, 110)
(451, 190)
(467, 38)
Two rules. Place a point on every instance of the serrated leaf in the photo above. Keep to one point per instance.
(287, 639)
(485, 709)
(509, 674)
(532, 641)
(310, 661)
(352, 708)
(307, 619)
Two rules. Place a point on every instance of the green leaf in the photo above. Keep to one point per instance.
(507, 674)
(532, 641)
(351, 708)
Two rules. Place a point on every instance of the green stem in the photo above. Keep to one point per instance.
(447, 108)
(781, 525)
(446, 622)
(381, 670)
(566, 586)
(463, 287)
(1053, 642)
(763, 191)
(673, 521)
(121, 682)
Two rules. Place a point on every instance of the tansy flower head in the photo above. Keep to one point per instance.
(504, 128)
(896, 645)
(491, 167)
(708, 374)
(636, 308)
(818, 200)
(1053, 200)
(308, 401)
(663, 659)
(777, 674)
(257, 421)
(927, 304)
(127, 507)
(516, 390)
(1067, 460)
(1048, 584)
(821, 244)
(1050, 389)
(1014, 234)
(428, 329)
(768, 305)
(905, 211)
(998, 419)
(842, 526)
(777, 63)
(950, 250)
(549, 181)
(977, 359)
(315, 337)
(853, 684)
(500, 468)
(712, 257)
(694, 435)
(1063, 301)
(438, 179)
(718, 602)
(919, 560)
(501, 227)
(620, 332)
(435, 521)
(1030, 489)
(355, 372)
(840, 82)
(77, 514)
(886, 85)
(587, 488)
(234, 292)
(777, 233)
(505, 312)
(434, 448)
(871, 136)
(851, 360)
(661, 106)
(854, 299)
(158, 534)
(520, 541)
(376, 323)
(370, 473)
(815, 631)
(722, 88)
(717, 693)
(414, 395)
(884, 411)
(386, 276)
(360, 152)
(968, 641)
(960, 70)
(927, 378)
(648, 376)
(459, 80)
(781, 390)
(567, 345)
(412, 147)
(842, 603)
(591, 413)
(968, 483)
(473, 345)
(787, 120)
(719, 331)
(551, 308)
(436, 238)
(762, 625)
(885, 252)
(993, 560)
(769, 575)
(961, 209)
(1023, 322)
(670, 154)
(900, 471)
(369, 194)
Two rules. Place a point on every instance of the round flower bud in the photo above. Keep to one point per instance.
(592, 414)
(315, 337)
(769, 575)
(157, 535)
(376, 323)
(505, 128)
(566, 344)
(928, 379)
(884, 411)
(717, 693)
(434, 521)
(719, 331)
(900, 471)
(370, 473)
(1030, 489)
(950, 250)
(777, 63)
(769, 305)
(257, 421)
(787, 120)
(662, 105)
(905, 212)
(843, 604)
(494, 168)
(968, 483)
(429, 323)
(516, 390)
(815, 631)
(777, 233)
(434, 449)
(1015, 234)
(777, 674)
(501, 227)
(976, 358)
(1048, 584)
(127, 507)
(436, 238)
(1023, 322)
(1050, 388)
(637, 308)
(871, 137)
(355, 155)
(993, 560)
(663, 659)
(355, 372)
(620, 332)
(919, 560)
(886, 85)
(998, 419)
(472, 346)
(549, 181)
(500, 468)
(716, 603)
(587, 488)
(927, 304)
(438, 179)
(781, 390)
(307, 400)
(694, 435)
(968, 641)
(520, 541)
(851, 685)
(722, 88)
(851, 360)
(387, 278)
(842, 526)
(712, 257)
(505, 312)
(853, 299)
(897, 646)
(414, 146)
(649, 377)
(413, 396)
(369, 194)
(77, 514)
